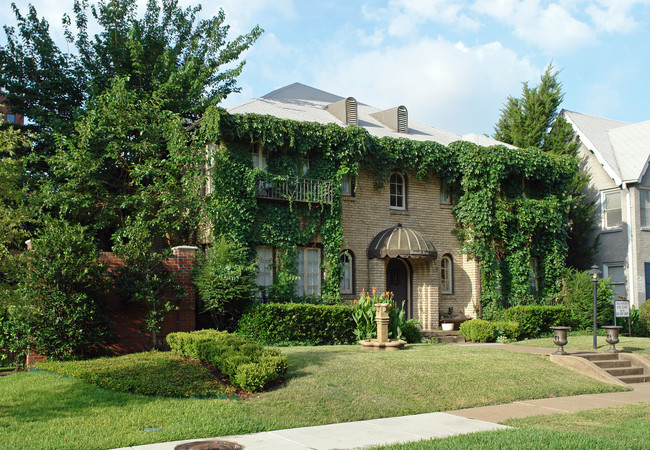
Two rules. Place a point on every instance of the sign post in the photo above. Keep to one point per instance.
(622, 309)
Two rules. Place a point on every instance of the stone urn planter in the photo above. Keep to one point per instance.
(382, 342)
(612, 337)
(560, 339)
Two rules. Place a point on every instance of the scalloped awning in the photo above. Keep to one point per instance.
(400, 241)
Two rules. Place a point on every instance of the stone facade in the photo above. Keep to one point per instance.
(368, 212)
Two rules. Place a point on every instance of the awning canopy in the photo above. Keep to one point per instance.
(402, 242)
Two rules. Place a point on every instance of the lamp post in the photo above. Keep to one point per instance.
(595, 273)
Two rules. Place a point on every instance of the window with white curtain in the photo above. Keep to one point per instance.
(309, 275)
(346, 286)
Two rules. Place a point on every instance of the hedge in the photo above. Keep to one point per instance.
(298, 323)
(478, 330)
(247, 364)
(536, 319)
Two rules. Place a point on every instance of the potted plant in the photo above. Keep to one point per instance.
(446, 326)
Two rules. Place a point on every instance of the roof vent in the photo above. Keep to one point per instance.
(397, 119)
(345, 110)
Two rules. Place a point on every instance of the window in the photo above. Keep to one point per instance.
(397, 191)
(304, 165)
(445, 193)
(644, 204)
(264, 266)
(447, 275)
(616, 273)
(258, 156)
(533, 277)
(347, 188)
(308, 283)
(11, 118)
(612, 213)
(210, 150)
(346, 286)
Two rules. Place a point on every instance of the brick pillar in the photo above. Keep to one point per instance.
(33, 358)
(182, 264)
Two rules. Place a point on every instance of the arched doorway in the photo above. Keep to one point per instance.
(398, 282)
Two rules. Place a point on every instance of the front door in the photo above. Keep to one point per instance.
(397, 282)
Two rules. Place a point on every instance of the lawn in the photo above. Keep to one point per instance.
(582, 341)
(324, 385)
(616, 427)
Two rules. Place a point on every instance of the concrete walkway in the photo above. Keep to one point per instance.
(414, 428)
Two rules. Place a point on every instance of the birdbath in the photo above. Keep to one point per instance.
(560, 339)
(612, 337)
(382, 342)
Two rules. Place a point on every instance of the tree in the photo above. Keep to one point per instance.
(534, 121)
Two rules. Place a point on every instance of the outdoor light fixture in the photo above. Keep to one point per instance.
(595, 273)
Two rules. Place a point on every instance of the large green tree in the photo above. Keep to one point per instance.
(534, 120)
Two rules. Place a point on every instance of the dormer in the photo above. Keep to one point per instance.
(345, 110)
(397, 119)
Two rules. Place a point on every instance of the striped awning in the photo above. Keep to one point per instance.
(400, 241)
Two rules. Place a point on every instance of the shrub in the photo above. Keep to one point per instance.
(224, 278)
(478, 330)
(365, 312)
(536, 319)
(291, 323)
(639, 325)
(247, 365)
(509, 329)
(577, 295)
(410, 332)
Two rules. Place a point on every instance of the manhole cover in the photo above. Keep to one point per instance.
(209, 445)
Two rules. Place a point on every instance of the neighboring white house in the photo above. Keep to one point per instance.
(615, 154)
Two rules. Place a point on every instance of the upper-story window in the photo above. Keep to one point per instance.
(397, 191)
(346, 286)
(612, 212)
(309, 276)
(445, 193)
(304, 165)
(258, 156)
(11, 118)
(533, 276)
(447, 275)
(644, 203)
(616, 274)
(264, 266)
(347, 187)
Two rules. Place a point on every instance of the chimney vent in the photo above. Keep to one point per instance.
(397, 119)
(345, 110)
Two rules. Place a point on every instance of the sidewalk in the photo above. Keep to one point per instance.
(414, 428)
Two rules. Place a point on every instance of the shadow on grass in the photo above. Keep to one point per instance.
(303, 359)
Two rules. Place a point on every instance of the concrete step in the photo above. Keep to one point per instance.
(635, 378)
(593, 357)
(619, 363)
(619, 372)
(451, 337)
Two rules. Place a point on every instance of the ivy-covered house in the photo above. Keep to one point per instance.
(333, 197)
(616, 156)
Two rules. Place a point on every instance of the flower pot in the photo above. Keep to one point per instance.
(447, 326)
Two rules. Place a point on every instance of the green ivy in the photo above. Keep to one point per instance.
(510, 204)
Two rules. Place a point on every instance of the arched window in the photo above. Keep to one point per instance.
(346, 259)
(397, 191)
(447, 275)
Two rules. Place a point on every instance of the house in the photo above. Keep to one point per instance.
(396, 225)
(615, 155)
(9, 116)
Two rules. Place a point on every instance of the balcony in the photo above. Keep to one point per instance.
(304, 190)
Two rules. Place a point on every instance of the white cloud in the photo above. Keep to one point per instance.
(615, 16)
(551, 27)
(448, 85)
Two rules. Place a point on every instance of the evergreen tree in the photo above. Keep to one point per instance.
(534, 120)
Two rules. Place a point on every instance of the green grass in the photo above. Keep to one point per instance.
(324, 385)
(607, 428)
(582, 341)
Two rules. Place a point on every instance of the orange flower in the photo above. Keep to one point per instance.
(354, 301)
(374, 291)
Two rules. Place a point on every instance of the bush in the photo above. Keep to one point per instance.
(410, 332)
(478, 330)
(577, 295)
(248, 365)
(365, 312)
(296, 323)
(639, 325)
(224, 278)
(536, 319)
(509, 329)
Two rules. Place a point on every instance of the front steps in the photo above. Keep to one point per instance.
(622, 366)
(451, 337)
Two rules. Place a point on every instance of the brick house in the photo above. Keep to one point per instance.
(396, 237)
(616, 154)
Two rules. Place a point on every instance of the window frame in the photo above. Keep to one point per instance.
(397, 196)
(447, 275)
(604, 210)
(350, 183)
(303, 289)
(350, 265)
(606, 274)
(533, 276)
(644, 191)
(262, 268)
(258, 156)
(11, 118)
(445, 188)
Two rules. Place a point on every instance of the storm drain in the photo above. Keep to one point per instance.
(210, 445)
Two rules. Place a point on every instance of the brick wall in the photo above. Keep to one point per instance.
(368, 213)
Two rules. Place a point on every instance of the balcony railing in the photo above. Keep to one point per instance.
(305, 190)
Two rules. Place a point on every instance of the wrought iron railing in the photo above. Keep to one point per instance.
(305, 190)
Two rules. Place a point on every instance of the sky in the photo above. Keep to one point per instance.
(452, 63)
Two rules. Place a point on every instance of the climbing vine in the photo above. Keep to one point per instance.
(510, 204)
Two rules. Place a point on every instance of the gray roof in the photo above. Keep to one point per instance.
(622, 148)
(304, 103)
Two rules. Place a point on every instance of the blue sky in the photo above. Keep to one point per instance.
(452, 63)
